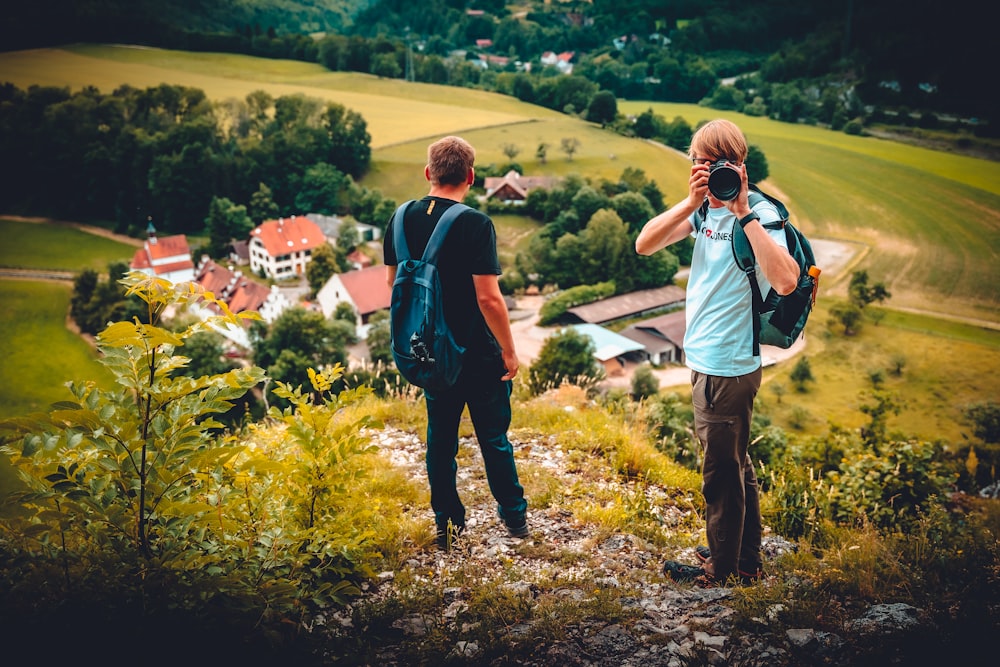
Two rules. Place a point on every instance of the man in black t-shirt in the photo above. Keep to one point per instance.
(477, 316)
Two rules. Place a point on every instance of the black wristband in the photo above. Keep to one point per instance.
(745, 220)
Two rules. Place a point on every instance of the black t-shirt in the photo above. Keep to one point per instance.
(469, 249)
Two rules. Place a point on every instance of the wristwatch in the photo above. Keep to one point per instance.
(745, 220)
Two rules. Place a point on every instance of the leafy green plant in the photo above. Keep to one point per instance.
(138, 504)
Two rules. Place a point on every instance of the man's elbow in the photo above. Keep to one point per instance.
(787, 284)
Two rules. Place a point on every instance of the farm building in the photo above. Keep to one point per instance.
(633, 304)
(611, 349)
(240, 294)
(662, 337)
(513, 188)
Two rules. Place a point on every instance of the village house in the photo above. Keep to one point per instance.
(633, 304)
(611, 349)
(513, 188)
(330, 224)
(661, 337)
(561, 61)
(240, 294)
(168, 257)
(365, 290)
(281, 248)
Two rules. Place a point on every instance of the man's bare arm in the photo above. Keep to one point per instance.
(494, 309)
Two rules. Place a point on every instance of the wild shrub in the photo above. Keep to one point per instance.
(137, 506)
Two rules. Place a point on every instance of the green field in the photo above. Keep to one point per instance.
(930, 220)
(928, 223)
(40, 353)
(30, 245)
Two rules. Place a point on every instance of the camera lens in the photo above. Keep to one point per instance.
(723, 181)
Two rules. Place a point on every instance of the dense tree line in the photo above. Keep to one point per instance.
(589, 234)
(165, 152)
(813, 61)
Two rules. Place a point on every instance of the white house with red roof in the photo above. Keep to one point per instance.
(168, 257)
(281, 248)
(561, 61)
(240, 294)
(364, 289)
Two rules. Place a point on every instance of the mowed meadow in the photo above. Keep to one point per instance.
(925, 223)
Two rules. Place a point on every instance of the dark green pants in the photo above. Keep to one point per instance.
(723, 408)
(489, 409)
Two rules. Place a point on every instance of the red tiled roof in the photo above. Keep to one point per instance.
(288, 235)
(248, 295)
(245, 294)
(367, 288)
(517, 183)
(168, 246)
(140, 260)
(161, 269)
(213, 278)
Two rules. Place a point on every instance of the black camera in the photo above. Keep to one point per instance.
(723, 180)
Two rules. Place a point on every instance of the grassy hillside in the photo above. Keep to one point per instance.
(40, 353)
(30, 245)
(930, 220)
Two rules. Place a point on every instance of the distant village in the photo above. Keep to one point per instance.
(280, 249)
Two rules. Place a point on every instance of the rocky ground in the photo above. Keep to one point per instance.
(662, 623)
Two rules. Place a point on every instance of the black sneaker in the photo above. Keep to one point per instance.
(519, 530)
(448, 535)
(682, 573)
(702, 553)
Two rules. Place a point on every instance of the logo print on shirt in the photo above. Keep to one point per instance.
(721, 236)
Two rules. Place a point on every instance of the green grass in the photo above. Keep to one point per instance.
(948, 365)
(394, 111)
(40, 353)
(929, 222)
(31, 245)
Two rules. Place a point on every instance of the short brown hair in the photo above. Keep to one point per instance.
(718, 139)
(449, 161)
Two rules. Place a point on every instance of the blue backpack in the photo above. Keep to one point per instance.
(778, 320)
(423, 347)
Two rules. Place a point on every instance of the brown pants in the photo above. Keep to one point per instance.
(723, 408)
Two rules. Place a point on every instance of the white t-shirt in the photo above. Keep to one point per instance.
(719, 337)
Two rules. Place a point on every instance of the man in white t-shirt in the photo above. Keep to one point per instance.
(725, 372)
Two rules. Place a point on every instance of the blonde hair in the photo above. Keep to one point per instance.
(718, 139)
(449, 161)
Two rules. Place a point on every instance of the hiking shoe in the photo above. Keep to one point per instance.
(702, 553)
(519, 530)
(748, 578)
(680, 572)
(448, 535)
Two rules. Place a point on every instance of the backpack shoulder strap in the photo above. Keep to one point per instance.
(398, 236)
(441, 230)
(745, 259)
